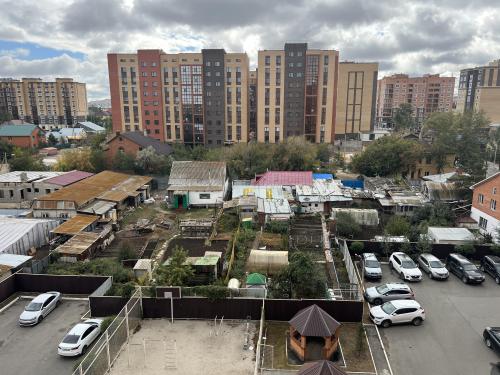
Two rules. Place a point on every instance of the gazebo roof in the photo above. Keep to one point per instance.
(256, 279)
(320, 368)
(314, 321)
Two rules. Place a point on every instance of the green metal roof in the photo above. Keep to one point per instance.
(207, 260)
(256, 279)
(17, 130)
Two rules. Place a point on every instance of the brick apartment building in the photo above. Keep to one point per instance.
(24, 136)
(486, 205)
(479, 90)
(48, 104)
(427, 94)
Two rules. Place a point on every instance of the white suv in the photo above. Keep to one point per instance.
(397, 312)
(405, 267)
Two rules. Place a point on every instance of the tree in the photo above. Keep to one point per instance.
(402, 118)
(5, 149)
(79, 159)
(148, 161)
(305, 281)
(5, 116)
(465, 249)
(52, 140)
(357, 247)
(346, 226)
(24, 160)
(386, 156)
(123, 162)
(397, 226)
(176, 272)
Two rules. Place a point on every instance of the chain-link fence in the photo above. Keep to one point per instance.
(105, 351)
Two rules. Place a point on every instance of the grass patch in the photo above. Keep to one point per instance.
(275, 333)
(141, 212)
(357, 356)
(194, 213)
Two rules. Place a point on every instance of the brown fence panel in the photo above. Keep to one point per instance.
(102, 306)
(7, 288)
(69, 284)
(343, 311)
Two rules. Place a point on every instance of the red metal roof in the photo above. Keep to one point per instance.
(273, 178)
(68, 178)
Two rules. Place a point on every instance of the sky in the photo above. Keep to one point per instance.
(53, 38)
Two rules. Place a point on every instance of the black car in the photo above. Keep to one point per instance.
(491, 264)
(491, 337)
(464, 269)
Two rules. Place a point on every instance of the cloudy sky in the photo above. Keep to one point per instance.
(49, 38)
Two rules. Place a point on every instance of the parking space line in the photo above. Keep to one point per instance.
(371, 353)
(9, 305)
(383, 349)
(63, 298)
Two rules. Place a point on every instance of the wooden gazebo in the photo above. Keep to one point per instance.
(313, 322)
(320, 368)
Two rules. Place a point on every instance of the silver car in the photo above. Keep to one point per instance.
(388, 292)
(371, 266)
(433, 267)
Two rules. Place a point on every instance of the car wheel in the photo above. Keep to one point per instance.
(391, 266)
(386, 324)
(377, 301)
(497, 280)
(84, 350)
(430, 275)
(40, 318)
(488, 343)
(464, 279)
(417, 321)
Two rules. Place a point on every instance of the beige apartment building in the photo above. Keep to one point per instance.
(427, 94)
(356, 99)
(296, 93)
(190, 98)
(479, 90)
(49, 104)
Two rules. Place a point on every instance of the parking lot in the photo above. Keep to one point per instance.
(450, 340)
(33, 350)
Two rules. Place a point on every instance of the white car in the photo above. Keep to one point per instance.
(398, 312)
(79, 338)
(405, 267)
(39, 308)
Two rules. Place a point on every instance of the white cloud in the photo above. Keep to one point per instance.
(17, 52)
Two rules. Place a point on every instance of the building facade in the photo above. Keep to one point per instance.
(427, 94)
(44, 103)
(23, 136)
(190, 98)
(356, 99)
(296, 93)
(479, 90)
(252, 105)
(486, 206)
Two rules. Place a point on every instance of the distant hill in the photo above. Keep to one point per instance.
(102, 103)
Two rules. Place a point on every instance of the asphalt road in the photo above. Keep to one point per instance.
(33, 350)
(450, 340)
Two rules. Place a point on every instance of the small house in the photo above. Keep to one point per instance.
(24, 136)
(453, 236)
(132, 142)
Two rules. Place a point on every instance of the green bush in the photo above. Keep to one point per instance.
(465, 249)
(357, 247)
(212, 292)
(281, 227)
(126, 252)
(397, 226)
(346, 226)
(122, 290)
(102, 267)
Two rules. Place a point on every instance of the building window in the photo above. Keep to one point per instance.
(480, 198)
(494, 191)
(483, 223)
(267, 60)
(325, 60)
(266, 116)
(278, 60)
(266, 96)
(493, 205)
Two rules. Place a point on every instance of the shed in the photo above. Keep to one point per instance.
(18, 236)
(256, 280)
(362, 216)
(143, 268)
(309, 323)
(267, 261)
(453, 236)
(76, 224)
(320, 368)
(14, 261)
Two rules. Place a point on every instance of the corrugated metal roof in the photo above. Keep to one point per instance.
(269, 192)
(69, 178)
(18, 235)
(92, 126)
(85, 191)
(78, 244)
(314, 321)
(322, 176)
(273, 206)
(98, 207)
(28, 176)
(286, 178)
(18, 130)
(76, 224)
(191, 175)
(13, 260)
(451, 234)
(320, 368)
(322, 191)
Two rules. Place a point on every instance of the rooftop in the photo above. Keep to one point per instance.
(320, 368)
(28, 176)
(286, 178)
(68, 178)
(18, 130)
(452, 234)
(91, 126)
(314, 321)
(87, 190)
(322, 190)
(144, 141)
(13, 260)
(197, 175)
(76, 224)
(13, 229)
(78, 244)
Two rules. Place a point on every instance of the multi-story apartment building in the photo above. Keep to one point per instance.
(486, 205)
(297, 90)
(43, 103)
(252, 105)
(479, 90)
(356, 99)
(427, 94)
(191, 98)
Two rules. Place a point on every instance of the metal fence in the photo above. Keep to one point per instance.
(352, 290)
(104, 353)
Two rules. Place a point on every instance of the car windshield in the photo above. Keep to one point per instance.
(382, 289)
(388, 308)
(436, 264)
(496, 333)
(34, 306)
(70, 339)
(408, 264)
(470, 267)
(372, 264)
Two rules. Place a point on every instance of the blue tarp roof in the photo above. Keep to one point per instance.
(322, 176)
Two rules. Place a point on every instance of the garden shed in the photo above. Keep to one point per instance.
(453, 236)
(256, 280)
(267, 261)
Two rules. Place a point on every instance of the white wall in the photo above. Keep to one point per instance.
(216, 197)
(311, 207)
(491, 227)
